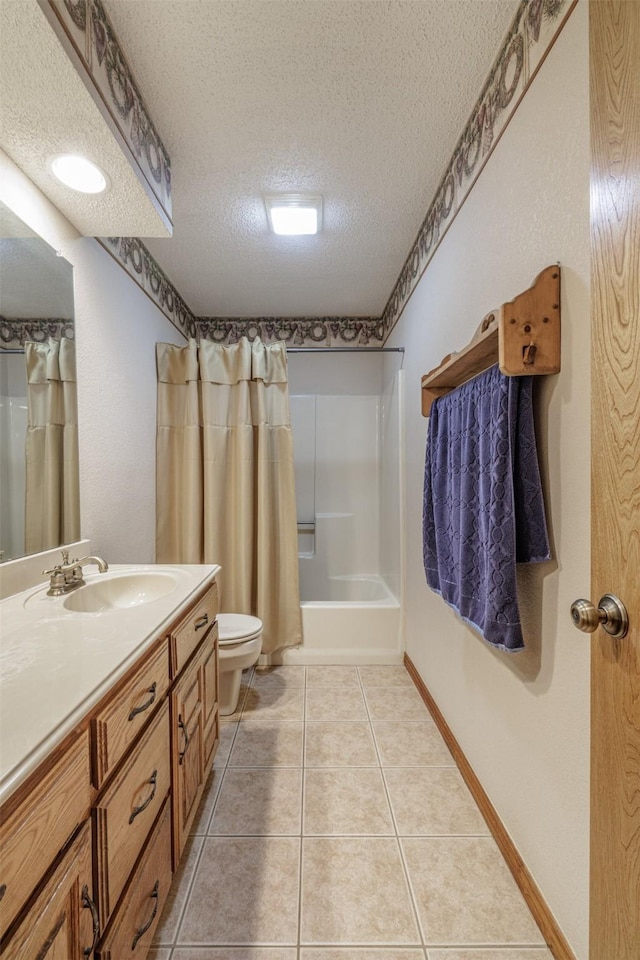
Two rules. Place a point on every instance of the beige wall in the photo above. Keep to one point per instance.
(116, 328)
(521, 719)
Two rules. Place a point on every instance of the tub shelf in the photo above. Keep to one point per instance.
(522, 336)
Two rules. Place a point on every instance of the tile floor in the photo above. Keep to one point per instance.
(335, 826)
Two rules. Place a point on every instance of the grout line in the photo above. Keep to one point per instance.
(302, 797)
(416, 915)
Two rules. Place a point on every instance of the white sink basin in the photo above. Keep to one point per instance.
(120, 591)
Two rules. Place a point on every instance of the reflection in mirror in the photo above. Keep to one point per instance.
(39, 495)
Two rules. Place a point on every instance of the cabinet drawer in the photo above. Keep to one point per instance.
(134, 924)
(117, 725)
(35, 833)
(59, 925)
(127, 809)
(188, 634)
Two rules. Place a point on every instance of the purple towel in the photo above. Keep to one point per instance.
(483, 505)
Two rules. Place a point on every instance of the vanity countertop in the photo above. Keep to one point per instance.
(56, 664)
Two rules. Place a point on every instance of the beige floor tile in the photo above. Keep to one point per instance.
(354, 891)
(432, 801)
(274, 743)
(274, 703)
(335, 703)
(159, 953)
(258, 802)
(170, 918)
(235, 953)
(287, 675)
(395, 703)
(330, 676)
(491, 953)
(465, 893)
(411, 745)
(227, 733)
(245, 892)
(339, 745)
(348, 800)
(385, 676)
(208, 802)
(366, 953)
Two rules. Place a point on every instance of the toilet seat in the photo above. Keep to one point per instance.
(237, 628)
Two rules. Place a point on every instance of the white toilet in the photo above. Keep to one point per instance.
(239, 646)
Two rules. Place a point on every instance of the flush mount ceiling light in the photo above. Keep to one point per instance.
(294, 214)
(78, 173)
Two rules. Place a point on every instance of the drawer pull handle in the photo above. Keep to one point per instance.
(87, 902)
(202, 622)
(145, 706)
(153, 780)
(142, 930)
(183, 729)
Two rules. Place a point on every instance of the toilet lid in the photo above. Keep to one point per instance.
(237, 626)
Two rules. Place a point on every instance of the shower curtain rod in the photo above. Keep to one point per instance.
(345, 349)
(4, 350)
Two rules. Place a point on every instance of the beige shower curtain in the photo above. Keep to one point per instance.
(225, 480)
(52, 499)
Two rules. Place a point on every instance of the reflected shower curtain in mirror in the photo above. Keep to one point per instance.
(225, 476)
(52, 498)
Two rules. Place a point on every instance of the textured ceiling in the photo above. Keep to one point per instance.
(361, 102)
(46, 109)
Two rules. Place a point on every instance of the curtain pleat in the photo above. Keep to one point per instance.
(225, 476)
(52, 496)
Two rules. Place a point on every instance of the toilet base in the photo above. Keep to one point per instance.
(229, 692)
(233, 659)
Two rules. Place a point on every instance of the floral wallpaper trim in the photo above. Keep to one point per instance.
(104, 68)
(131, 254)
(16, 330)
(295, 331)
(534, 29)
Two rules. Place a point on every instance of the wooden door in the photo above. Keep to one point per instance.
(615, 515)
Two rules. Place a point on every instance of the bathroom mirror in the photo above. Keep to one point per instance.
(39, 496)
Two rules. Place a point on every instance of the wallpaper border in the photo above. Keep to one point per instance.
(534, 29)
(96, 52)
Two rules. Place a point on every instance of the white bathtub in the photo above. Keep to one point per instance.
(357, 621)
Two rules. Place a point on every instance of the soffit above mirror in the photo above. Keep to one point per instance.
(46, 109)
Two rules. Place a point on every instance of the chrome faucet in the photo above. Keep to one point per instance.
(66, 576)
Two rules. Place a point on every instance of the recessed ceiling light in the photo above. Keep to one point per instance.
(78, 173)
(293, 214)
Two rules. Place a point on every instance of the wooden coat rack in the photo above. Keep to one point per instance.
(523, 337)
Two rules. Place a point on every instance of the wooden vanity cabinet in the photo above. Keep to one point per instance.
(194, 736)
(63, 922)
(88, 845)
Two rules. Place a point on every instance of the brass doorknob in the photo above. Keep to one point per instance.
(610, 613)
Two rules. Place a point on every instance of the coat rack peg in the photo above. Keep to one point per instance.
(525, 341)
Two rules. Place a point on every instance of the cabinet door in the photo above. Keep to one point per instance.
(210, 675)
(187, 750)
(62, 923)
(34, 833)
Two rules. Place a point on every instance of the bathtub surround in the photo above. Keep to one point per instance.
(346, 427)
(522, 722)
(225, 481)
